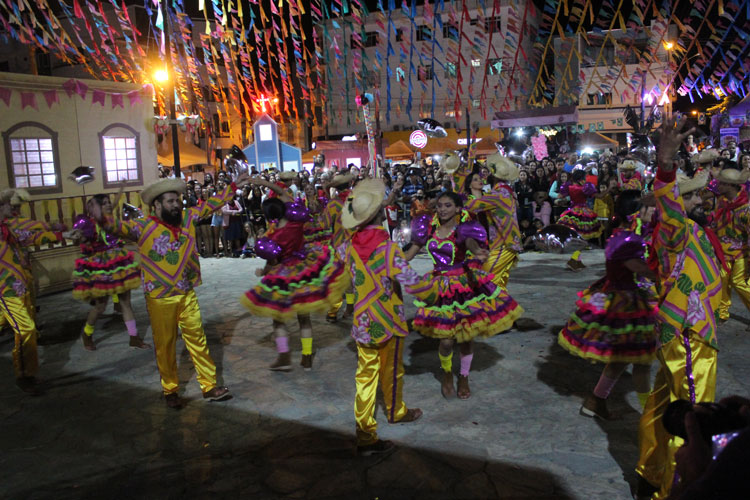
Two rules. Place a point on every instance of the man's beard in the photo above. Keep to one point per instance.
(698, 216)
(172, 218)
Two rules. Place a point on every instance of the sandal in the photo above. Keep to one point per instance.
(463, 387)
(412, 414)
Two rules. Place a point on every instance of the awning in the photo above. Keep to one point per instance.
(398, 149)
(309, 156)
(190, 154)
(536, 117)
(594, 139)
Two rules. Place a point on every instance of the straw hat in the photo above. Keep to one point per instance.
(450, 162)
(687, 185)
(363, 203)
(288, 175)
(152, 192)
(628, 165)
(732, 176)
(341, 179)
(708, 155)
(14, 196)
(502, 167)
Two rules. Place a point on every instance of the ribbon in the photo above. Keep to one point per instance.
(689, 364)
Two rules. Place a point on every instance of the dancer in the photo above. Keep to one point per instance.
(377, 267)
(297, 279)
(579, 216)
(104, 269)
(17, 233)
(731, 222)
(689, 294)
(464, 302)
(615, 320)
(339, 235)
(496, 211)
(170, 272)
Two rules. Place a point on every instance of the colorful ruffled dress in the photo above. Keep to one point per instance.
(105, 268)
(579, 216)
(317, 230)
(615, 319)
(302, 278)
(462, 302)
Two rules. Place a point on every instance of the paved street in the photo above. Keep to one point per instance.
(103, 431)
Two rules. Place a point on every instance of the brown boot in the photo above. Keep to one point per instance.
(447, 386)
(349, 311)
(283, 363)
(306, 362)
(595, 407)
(463, 387)
(88, 342)
(138, 343)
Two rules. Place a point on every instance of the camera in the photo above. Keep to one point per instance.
(712, 418)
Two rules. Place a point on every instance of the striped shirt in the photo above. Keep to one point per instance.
(690, 288)
(169, 255)
(732, 230)
(15, 268)
(499, 209)
(332, 220)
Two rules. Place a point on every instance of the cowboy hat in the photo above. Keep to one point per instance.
(627, 165)
(450, 162)
(14, 196)
(687, 184)
(732, 176)
(288, 175)
(156, 189)
(502, 167)
(708, 155)
(341, 179)
(363, 203)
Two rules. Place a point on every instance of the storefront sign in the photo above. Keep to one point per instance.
(418, 139)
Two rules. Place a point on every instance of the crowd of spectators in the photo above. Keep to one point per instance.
(540, 199)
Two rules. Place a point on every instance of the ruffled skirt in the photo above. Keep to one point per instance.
(612, 326)
(101, 274)
(583, 220)
(464, 303)
(299, 285)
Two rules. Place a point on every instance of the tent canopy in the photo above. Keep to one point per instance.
(398, 149)
(190, 154)
(309, 156)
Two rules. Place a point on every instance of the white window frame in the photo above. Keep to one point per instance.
(25, 131)
(119, 132)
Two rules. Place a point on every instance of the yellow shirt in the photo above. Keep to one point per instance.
(18, 233)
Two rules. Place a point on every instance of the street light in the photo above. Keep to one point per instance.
(161, 75)
(668, 45)
(694, 112)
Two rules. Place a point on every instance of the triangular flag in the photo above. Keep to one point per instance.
(5, 95)
(98, 97)
(51, 97)
(28, 99)
(116, 100)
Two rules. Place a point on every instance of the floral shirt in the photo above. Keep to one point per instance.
(732, 225)
(499, 209)
(332, 220)
(15, 268)
(378, 302)
(169, 255)
(690, 288)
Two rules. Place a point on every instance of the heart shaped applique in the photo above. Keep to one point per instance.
(442, 252)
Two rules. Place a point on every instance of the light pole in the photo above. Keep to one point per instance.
(163, 76)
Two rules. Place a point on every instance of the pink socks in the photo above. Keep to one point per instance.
(132, 330)
(604, 387)
(466, 364)
(282, 344)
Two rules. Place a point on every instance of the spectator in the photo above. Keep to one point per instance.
(559, 201)
(541, 208)
(232, 223)
(248, 249)
(540, 182)
(402, 234)
(419, 205)
(524, 193)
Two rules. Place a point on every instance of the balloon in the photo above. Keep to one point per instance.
(82, 175)
(131, 212)
(432, 128)
(642, 149)
(557, 238)
(86, 225)
(236, 162)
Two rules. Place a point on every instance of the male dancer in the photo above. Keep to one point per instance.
(689, 293)
(377, 266)
(731, 222)
(16, 282)
(170, 272)
(339, 234)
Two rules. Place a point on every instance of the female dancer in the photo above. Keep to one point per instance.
(297, 279)
(104, 269)
(464, 302)
(615, 319)
(579, 216)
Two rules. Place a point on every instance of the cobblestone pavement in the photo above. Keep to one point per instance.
(102, 430)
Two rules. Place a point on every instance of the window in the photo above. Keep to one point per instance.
(475, 103)
(450, 70)
(266, 132)
(424, 33)
(425, 73)
(494, 66)
(32, 157)
(121, 155)
(399, 34)
(450, 31)
(371, 39)
(450, 114)
(476, 62)
(599, 99)
(493, 24)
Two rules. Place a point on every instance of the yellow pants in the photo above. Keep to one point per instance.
(384, 361)
(18, 312)
(736, 279)
(167, 314)
(499, 263)
(657, 447)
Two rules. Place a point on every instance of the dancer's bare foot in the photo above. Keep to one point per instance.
(463, 387)
(138, 343)
(447, 386)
